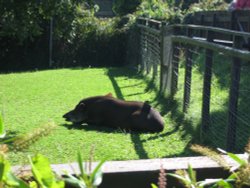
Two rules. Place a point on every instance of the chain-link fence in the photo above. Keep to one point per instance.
(205, 69)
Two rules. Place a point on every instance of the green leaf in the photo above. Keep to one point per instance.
(224, 184)
(240, 161)
(82, 171)
(4, 168)
(35, 172)
(13, 181)
(58, 184)
(43, 174)
(96, 175)
(75, 181)
(233, 176)
(208, 182)
(43, 166)
(182, 179)
(80, 163)
(192, 174)
(153, 186)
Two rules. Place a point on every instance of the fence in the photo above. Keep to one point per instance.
(207, 69)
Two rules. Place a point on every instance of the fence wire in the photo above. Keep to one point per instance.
(243, 115)
(201, 83)
(150, 52)
(218, 120)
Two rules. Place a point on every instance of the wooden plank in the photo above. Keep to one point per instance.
(214, 29)
(151, 30)
(242, 54)
(224, 18)
(171, 164)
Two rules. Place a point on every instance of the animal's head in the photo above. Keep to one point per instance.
(77, 115)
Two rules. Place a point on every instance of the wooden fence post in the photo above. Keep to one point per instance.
(141, 63)
(207, 86)
(233, 98)
(205, 118)
(162, 59)
(166, 59)
(188, 77)
(175, 70)
(175, 67)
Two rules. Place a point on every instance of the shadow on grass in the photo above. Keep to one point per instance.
(91, 128)
(10, 137)
(135, 137)
(164, 104)
(96, 128)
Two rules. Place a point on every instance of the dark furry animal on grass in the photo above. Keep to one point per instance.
(112, 112)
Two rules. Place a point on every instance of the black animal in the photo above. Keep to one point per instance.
(109, 111)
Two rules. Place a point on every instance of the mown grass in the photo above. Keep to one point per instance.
(31, 99)
(216, 135)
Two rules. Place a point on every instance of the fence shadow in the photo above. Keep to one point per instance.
(164, 104)
(135, 137)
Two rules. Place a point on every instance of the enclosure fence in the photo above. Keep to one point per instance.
(206, 67)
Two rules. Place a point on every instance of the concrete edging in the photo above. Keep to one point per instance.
(141, 173)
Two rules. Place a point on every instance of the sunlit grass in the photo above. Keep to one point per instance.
(32, 99)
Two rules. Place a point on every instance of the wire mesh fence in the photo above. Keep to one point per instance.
(243, 114)
(150, 53)
(208, 79)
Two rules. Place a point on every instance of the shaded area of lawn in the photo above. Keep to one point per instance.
(167, 107)
(32, 99)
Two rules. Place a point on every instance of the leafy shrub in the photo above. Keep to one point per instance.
(94, 42)
(160, 10)
(79, 39)
(206, 5)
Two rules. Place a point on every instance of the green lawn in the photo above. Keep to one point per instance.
(32, 99)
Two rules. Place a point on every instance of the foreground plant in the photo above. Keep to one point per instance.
(239, 177)
(86, 179)
(189, 180)
(162, 180)
(7, 178)
(43, 174)
(240, 172)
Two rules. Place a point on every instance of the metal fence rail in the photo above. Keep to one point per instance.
(221, 59)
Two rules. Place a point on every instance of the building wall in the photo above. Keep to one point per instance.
(105, 8)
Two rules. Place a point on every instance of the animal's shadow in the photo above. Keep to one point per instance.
(103, 129)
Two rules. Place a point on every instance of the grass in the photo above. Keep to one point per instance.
(216, 136)
(32, 99)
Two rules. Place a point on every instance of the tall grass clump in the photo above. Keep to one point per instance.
(24, 141)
